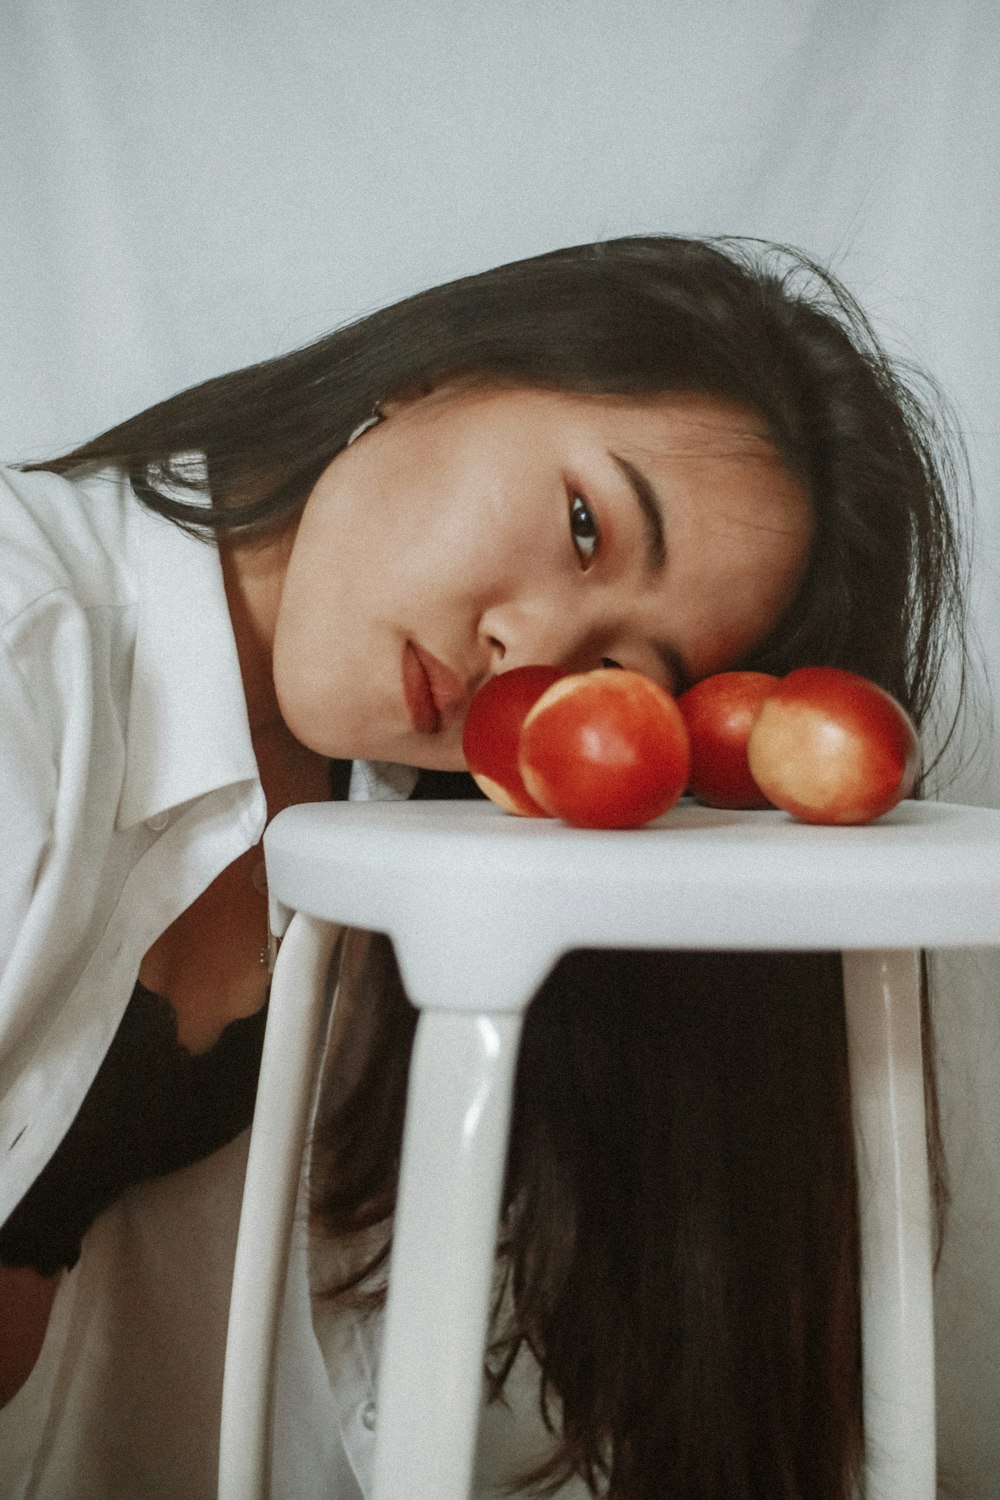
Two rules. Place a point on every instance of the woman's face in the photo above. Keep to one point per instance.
(478, 529)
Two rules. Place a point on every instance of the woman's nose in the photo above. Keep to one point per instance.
(538, 633)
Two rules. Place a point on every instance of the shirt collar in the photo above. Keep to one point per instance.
(381, 781)
(187, 731)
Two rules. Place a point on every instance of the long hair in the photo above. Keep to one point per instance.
(679, 1235)
(759, 324)
(679, 1239)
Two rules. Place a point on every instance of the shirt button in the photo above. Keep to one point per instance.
(159, 822)
(368, 1414)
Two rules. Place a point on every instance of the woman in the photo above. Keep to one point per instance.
(673, 455)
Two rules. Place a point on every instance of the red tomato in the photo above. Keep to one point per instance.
(720, 712)
(605, 749)
(490, 737)
(831, 747)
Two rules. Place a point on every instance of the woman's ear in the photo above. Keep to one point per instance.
(388, 408)
(393, 404)
(433, 393)
(362, 427)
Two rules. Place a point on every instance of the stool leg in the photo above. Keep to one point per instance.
(297, 1016)
(443, 1255)
(882, 998)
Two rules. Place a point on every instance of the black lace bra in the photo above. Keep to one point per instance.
(152, 1108)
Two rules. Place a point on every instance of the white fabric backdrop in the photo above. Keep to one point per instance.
(192, 185)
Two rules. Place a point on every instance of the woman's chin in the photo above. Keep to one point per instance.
(434, 758)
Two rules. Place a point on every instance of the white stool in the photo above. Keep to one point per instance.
(480, 906)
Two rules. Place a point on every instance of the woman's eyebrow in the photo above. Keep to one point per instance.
(656, 560)
(652, 514)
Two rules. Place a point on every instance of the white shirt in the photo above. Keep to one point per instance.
(127, 778)
(127, 782)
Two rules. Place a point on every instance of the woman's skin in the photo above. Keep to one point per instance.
(475, 529)
(495, 527)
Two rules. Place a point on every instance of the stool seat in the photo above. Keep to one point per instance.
(480, 906)
(470, 894)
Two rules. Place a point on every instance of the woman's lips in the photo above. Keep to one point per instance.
(434, 695)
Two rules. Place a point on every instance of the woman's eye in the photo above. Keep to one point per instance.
(584, 530)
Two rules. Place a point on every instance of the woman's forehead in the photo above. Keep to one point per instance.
(680, 423)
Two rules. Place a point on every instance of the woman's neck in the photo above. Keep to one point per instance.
(254, 574)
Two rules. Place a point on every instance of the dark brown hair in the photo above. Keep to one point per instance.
(680, 1210)
(679, 1236)
(758, 324)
